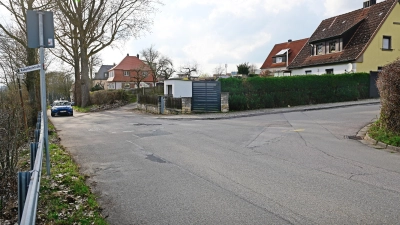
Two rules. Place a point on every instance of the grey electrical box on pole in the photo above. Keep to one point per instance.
(32, 29)
(40, 34)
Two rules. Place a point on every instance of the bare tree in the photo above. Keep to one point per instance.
(16, 30)
(167, 73)
(58, 85)
(159, 64)
(219, 70)
(189, 68)
(100, 24)
(253, 69)
(67, 37)
(94, 62)
(139, 74)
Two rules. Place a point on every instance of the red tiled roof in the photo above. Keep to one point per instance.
(294, 46)
(363, 22)
(129, 63)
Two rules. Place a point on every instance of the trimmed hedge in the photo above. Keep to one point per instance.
(272, 92)
(108, 96)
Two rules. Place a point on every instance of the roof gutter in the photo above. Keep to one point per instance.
(323, 64)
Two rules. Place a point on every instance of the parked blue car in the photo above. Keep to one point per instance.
(61, 107)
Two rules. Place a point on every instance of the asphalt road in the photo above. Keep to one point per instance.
(290, 168)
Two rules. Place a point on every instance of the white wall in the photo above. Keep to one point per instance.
(319, 70)
(180, 88)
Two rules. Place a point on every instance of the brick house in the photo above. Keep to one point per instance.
(128, 73)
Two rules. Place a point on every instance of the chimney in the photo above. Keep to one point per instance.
(290, 40)
(369, 3)
(127, 54)
(137, 55)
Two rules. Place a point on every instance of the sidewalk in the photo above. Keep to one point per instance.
(259, 112)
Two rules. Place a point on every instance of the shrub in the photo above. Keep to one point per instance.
(389, 88)
(97, 87)
(108, 97)
(13, 137)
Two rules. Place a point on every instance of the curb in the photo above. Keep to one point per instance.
(366, 139)
(273, 111)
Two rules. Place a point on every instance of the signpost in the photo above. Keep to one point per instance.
(29, 68)
(40, 27)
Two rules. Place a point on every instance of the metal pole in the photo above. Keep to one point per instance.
(43, 92)
(22, 102)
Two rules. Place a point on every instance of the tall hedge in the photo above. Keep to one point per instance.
(389, 88)
(271, 92)
(108, 96)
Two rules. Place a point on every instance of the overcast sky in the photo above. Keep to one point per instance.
(214, 32)
(219, 32)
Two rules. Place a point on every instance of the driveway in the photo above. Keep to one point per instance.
(287, 168)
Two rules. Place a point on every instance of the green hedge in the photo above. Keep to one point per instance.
(108, 96)
(271, 92)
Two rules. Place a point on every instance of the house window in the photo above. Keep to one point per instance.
(278, 59)
(127, 85)
(320, 49)
(308, 72)
(169, 88)
(332, 46)
(106, 74)
(329, 71)
(127, 73)
(387, 43)
(145, 73)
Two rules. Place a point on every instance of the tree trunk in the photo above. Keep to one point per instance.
(32, 83)
(77, 85)
(85, 77)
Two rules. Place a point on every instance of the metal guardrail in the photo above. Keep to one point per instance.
(28, 194)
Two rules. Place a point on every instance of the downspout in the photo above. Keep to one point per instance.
(287, 61)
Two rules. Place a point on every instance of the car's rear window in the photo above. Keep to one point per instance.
(61, 103)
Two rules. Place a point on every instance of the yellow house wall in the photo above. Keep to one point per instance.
(374, 56)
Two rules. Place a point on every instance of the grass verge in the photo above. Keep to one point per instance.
(379, 133)
(83, 109)
(64, 196)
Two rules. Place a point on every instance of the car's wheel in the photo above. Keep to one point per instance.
(72, 114)
(52, 114)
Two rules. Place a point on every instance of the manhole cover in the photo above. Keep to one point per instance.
(353, 137)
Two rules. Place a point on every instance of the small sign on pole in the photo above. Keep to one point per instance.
(29, 68)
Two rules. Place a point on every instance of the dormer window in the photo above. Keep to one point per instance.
(332, 46)
(127, 73)
(320, 49)
(281, 56)
(327, 47)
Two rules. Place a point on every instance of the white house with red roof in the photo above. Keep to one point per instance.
(128, 73)
(281, 56)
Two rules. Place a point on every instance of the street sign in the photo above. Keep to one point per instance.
(32, 28)
(29, 68)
